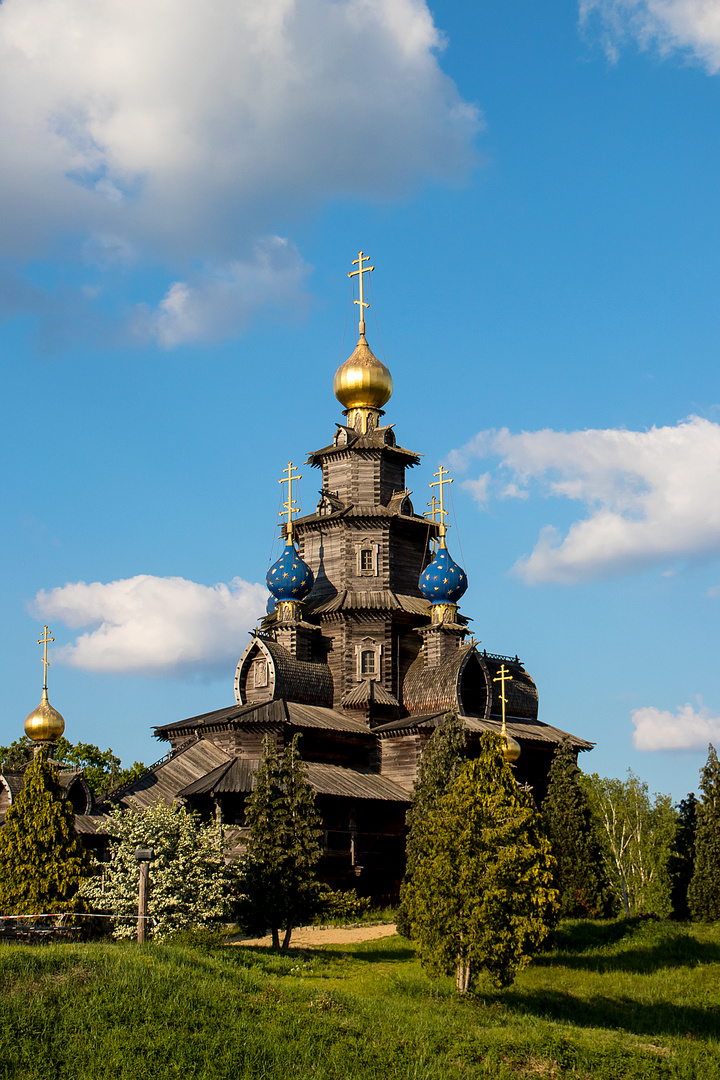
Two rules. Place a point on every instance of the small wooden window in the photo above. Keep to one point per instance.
(366, 559)
(367, 662)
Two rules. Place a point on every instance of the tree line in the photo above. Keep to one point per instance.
(488, 872)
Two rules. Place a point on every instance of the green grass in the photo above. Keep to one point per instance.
(611, 1001)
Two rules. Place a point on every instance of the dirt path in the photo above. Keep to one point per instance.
(327, 935)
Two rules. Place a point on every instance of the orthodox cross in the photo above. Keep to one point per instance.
(432, 513)
(289, 507)
(359, 274)
(502, 677)
(440, 483)
(44, 642)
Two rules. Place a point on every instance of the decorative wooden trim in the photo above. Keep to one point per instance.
(366, 645)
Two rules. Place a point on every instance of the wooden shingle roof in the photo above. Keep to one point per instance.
(239, 776)
(272, 713)
(163, 781)
(368, 692)
(298, 679)
(524, 730)
(370, 599)
(437, 687)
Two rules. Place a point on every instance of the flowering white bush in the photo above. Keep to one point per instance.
(190, 884)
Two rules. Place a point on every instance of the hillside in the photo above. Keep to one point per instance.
(611, 1000)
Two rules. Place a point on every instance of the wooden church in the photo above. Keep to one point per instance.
(362, 652)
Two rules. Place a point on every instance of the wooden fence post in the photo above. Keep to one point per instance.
(143, 856)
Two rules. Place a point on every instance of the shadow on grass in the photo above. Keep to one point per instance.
(622, 1013)
(374, 956)
(582, 936)
(671, 950)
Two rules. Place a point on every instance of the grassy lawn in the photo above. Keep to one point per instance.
(612, 1000)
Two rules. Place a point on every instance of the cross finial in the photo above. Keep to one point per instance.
(443, 479)
(359, 274)
(502, 677)
(433, 512)
(289, 507)
(44, 642)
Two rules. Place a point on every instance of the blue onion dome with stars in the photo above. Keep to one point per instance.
(443, 581)
(290, 578)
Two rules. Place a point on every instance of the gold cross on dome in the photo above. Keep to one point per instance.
(432, 514)
(289, 507)
(502, 677)
(44, 642)
(359, 274)
(440, 483)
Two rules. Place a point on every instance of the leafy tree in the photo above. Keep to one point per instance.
(581, 878)
(638, 835)
(682, 860)
(440, 765)
(481, 895)
(704, 890)
(279, 886)
(101, 768)
(190, 884)
(42, 859)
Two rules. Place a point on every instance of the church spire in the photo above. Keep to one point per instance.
(44, 724)
(362, 384)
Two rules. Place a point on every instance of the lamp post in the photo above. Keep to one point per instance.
(144, 857)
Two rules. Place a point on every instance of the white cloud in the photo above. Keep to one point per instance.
(149, 625)
(478, 488)
(652, 496)
(221, 304)
(187, 131)
(686, 729)
(691, 26)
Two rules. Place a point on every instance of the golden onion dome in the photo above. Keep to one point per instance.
(512, 749)
(362, 381)
(44, 724)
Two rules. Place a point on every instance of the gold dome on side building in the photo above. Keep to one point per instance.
(44, 724)
(511, 750)
(363, 381)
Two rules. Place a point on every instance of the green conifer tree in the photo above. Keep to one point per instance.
(481, 895)
(580, 877)
(440, 765)
(682, 861)
(704, 890)
(279, 885)
(42, 859)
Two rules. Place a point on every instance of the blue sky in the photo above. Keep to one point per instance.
(536, 184)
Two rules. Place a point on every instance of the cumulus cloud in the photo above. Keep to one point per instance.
(692, 26)
(688, 728)
(185, 132)
(221, 303)
(149, 625)
(652, 496)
